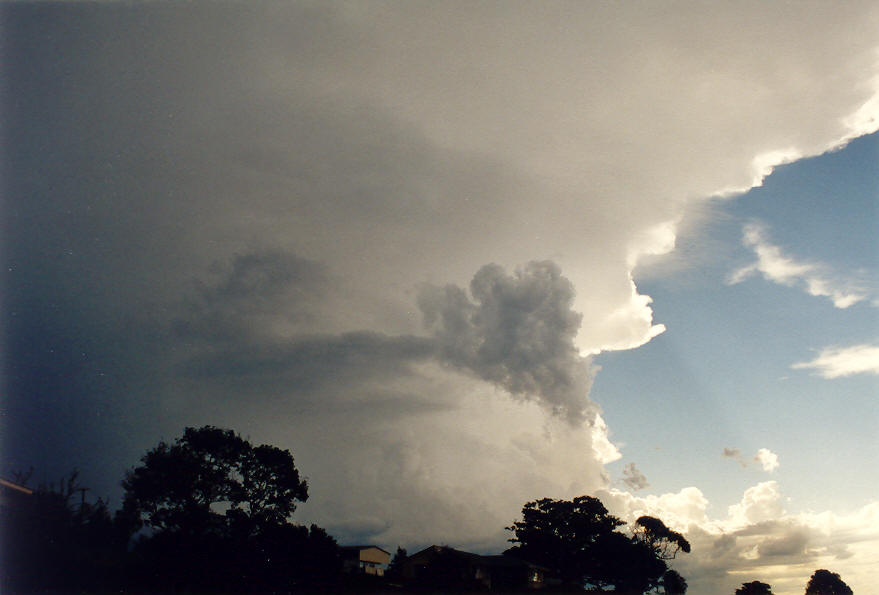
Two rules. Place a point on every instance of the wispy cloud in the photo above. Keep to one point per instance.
(838, 362)
(633, 478)
(767, 459)
(776, 266)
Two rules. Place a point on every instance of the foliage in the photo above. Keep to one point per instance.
(824, 582)
(219, 509)
(579, 541)
(53, 540)
(662, 540)
(673, 583)
(395, 568)
(182, 487)
(562, 535)
(754, 588)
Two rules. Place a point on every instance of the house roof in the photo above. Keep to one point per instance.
(363, 547)
(498, 560)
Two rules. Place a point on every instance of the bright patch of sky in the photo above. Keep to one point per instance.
(740, 366)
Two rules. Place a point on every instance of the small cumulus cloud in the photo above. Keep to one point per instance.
(839, 362)
(633, 478)
(776, 266)
(767, 459)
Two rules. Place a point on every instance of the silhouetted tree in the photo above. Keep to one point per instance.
(579, 541)
(395, 568)
(673, 583)
(824, 582)
(219, 512)
(562, 535)
(662, 540)
(754, 588)
(54, 540)
(183, 487)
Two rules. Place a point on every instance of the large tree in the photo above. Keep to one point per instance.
(211, 480)
(219, 511)
(673, 583)
(562, 535)
(754, 588)
(664, 542)
(579, 541)
(824, 582)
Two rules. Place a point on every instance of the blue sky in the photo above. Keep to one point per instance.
(457, 257)
(721, 377)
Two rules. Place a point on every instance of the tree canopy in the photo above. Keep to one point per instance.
(184, 487)
(673, 583)
(824, 582)
(579, 541)
(754, 588)
(663, 541)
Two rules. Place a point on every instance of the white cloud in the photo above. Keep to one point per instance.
(838, 362)
(767, 459)
(759, 503)
(759, 540)
(777, 267)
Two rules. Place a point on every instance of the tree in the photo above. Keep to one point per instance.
(219, 509)
(673, 583)
(824, 582)
(579, 541)
(395, 568)
(54, 539)
(754, 588)
(184, 487)
(562, 535)
(662, 540)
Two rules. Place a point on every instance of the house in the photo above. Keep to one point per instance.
(442, 567)
(365, 559)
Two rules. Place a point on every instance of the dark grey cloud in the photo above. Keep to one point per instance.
(792, 544)
(251, 294)
(304, 363)
(518, 332)
(633, 478)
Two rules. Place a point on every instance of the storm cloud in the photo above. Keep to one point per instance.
(277, 217)
(518, 332)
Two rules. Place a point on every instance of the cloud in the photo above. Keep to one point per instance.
(375, 149)
(777, 267)
(839, 362)
(735, 453)
(518, 332)
(633, 478)
(759, 503)
(767, 459)
(759, 540)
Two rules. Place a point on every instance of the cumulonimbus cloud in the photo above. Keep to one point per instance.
(839, 362)
(774, 265)
(516, 331)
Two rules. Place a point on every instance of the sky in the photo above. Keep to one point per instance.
(457, 257)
